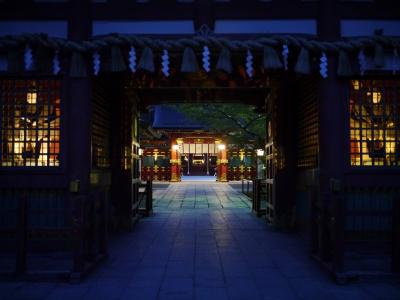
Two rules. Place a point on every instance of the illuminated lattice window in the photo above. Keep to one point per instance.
(375, 123)
(29, 123)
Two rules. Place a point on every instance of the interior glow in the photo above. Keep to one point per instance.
(31, 97)
(356, 85)
(30, 129)
(374, 136)
(376, 97)
(221, 147)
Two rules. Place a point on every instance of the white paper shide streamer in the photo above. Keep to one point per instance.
(323, 66)
(165, 63)
(96, 63)
(206, 59)
(132, 59)
(249, 64)
(56, 63)
(28, 58)
(285, 55)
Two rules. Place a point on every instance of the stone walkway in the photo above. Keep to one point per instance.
(203, 243)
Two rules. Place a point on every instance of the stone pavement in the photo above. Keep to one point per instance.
(198, 178)
(203, 243)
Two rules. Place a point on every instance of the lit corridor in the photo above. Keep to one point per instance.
(203, 243)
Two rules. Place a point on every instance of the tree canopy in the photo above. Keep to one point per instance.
(241, 123)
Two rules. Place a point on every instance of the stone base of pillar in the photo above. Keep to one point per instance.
(175, 172)
(175, 179)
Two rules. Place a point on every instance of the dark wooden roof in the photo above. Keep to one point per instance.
(165, 117)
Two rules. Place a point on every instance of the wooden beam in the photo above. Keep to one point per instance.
(33, 11)
(369, 10)
(199, 11)
(265, 10)
(153, 96)
(204, 14)
(154, 10)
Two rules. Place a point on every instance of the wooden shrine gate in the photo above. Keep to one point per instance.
(68, 179)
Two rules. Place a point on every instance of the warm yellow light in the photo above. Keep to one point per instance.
(260, 152)
(18, 146)
(140, 151)
(390, 145)
(356, 85)
(175, 147)
(31, 97)
(221, 147)
(241, 153)
(376, 97)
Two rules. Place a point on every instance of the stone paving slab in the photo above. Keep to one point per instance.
(203, 243)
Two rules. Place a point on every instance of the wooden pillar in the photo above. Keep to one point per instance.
(122, 189)
(285, 181)
(332, 135)
(175, 162)
(222, 163)
(78, 132)
(117, 191)
(78, 112)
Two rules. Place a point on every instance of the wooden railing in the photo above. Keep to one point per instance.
(69, 232)
(396, 235)
(357, 231)
(89, 232)
(21, 235)
(246, 186)
(146, 198)
(259, 197)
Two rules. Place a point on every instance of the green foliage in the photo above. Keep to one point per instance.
(239, 122)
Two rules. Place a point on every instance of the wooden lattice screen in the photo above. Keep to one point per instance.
(100, 128)
(307, 124)
(30, 122)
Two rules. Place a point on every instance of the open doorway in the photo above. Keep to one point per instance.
(201, 142)
(199, 164)
(198, 159)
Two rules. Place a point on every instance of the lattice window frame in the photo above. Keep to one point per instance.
(374, 123)
(32, 108)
